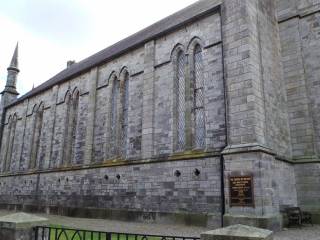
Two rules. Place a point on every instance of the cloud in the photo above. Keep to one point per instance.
(51, 32)
(63, 21)
(39, 59)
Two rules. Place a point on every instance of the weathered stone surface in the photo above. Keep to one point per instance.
(238, 232)
(260, 68)
(21, 220)
(19, 226)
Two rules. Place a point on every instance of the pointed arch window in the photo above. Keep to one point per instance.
(180, 83)
(114, 117)
(74, 124)
(11, 136)
(66, 148)
(189, 108)
(125, 111)
(198, 99)
(71, 122)
(36, 135)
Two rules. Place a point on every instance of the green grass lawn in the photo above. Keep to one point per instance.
(58, 233)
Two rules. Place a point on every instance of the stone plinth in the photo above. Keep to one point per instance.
(19, 226)
(238, 232)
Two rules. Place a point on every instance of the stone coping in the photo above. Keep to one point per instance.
(240, 231)
(21, 220)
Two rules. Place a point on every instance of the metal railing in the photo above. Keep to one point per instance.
(61, 233)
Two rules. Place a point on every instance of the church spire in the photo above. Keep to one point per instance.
(14, 61)
(13, 71)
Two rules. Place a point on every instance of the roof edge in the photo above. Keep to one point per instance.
(76, 69)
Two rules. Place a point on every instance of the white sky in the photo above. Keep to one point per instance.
(51, 32)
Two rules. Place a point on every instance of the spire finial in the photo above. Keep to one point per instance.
(14, 61)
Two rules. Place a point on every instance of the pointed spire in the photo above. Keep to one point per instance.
(14, 61)
(13, 72)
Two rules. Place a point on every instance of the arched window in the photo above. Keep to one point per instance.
(180, 86)
(198, 99)
(71, 123)
(124, 120)
(10, 140)
(66, 145)
(74, 124)
(36, 135)
(114, 118)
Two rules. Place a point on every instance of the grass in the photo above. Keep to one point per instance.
(58, 232)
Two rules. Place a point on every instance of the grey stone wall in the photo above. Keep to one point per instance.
(144, 186)
(274, 182)
(299, 29)
(149, 115)
(308, 189)
(299, 33)
(274, 97)
(140, 188)
(260, 99)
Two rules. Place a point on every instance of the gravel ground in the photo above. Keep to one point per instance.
(304, 233)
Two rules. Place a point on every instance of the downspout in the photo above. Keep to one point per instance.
(223, 207)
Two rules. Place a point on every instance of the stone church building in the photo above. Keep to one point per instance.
(210, 116)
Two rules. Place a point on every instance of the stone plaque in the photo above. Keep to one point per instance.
(241, 191)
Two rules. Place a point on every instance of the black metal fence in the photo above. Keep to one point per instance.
(60, 233)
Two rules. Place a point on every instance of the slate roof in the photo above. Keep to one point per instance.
(158, 29)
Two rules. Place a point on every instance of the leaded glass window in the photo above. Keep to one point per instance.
(68, 117)
(71, 127)
(11, 136)
(36, 136)
(125, 108)
(74, 123)
(181, 104)
(6, 158)
(198, 100)
(114, 117)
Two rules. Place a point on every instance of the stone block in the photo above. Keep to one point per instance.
(273, 223)
(238, 232)
(19, 226)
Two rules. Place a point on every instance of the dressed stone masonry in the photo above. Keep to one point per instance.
(19, 226)
(152, 127)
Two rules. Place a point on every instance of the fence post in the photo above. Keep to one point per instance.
(238, 232)
(19, 226)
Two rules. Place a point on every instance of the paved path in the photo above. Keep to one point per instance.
(305, 233)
